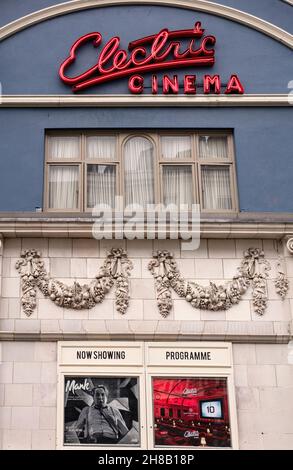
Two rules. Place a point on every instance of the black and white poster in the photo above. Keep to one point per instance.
(101, 411)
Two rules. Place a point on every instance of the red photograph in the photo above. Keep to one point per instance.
(191, 412)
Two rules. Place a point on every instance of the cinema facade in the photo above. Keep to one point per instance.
(153, 102)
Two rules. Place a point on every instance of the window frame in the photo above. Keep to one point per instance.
(213, 162)
(122, 138)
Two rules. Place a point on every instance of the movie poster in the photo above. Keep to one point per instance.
(101, 411)
(191, 412)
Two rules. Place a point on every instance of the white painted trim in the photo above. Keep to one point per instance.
(290, 2)
(47, 101)
(198, 5)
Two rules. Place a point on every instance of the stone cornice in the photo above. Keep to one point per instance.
(235, 338)
(112, 100)
(82, 228)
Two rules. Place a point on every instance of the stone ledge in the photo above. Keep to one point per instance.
(253, 339)
(221, 226)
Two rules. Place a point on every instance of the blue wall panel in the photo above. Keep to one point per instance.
(29, 64)
(31, 58)
(274, 11)
(263, 140)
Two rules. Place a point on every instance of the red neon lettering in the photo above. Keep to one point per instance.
(154, 84)
(114, 63)
(189, 84)
(234, 86)
(97, 39)
(213, 81)
(170, 84)
(135, 84)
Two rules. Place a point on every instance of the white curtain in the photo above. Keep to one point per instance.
(63, 187)
(176, 147)
(139, 171)
(213, 147)
(101, 185)
(64, 147)
(216, 187)
(101, 147)
(177, 184)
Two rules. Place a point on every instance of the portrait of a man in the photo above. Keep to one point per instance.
(101, 411)
(102, 423)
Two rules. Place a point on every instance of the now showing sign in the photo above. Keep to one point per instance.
(101, 354)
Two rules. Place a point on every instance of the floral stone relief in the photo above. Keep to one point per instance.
(253, 271)
(115, 270)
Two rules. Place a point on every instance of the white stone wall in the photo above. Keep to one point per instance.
(263, 384)
(264, 391)
(79, 259)
(1, 256)
(263, 377)
(28, 376)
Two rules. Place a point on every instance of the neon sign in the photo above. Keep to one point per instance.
(153, 53)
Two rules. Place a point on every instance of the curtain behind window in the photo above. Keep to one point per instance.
(101, 185)
(64, 147)
(176, 147)
(177, 185)
(63, 187)
(139, 171)
(213, 147)
(216, 190)
(101, 147)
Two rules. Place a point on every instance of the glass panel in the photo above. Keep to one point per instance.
(101, 411)
(176, 147)
(63, 187)
(101, 147)
(191, 411)
(139, 171)
(177, 184)
(213, 147)
(101, 185)
(216, 188)
(64, 147)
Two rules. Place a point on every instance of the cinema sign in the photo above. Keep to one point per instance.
(156, 53)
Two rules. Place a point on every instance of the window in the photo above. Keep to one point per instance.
(205, 421)
(101, 410)
(84, 169)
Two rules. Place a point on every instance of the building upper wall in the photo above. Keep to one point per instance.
(273, 11)
(263, 64)
(264, 163)
(30, 60)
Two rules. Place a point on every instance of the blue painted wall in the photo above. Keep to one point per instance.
(29, 64)
(274, 11)
(30, 59)
(263, 139)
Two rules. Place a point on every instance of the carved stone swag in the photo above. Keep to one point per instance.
(253, 271)
(115, 270)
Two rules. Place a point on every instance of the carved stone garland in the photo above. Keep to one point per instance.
(252, 271)
(281, 282)
(116, 269)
